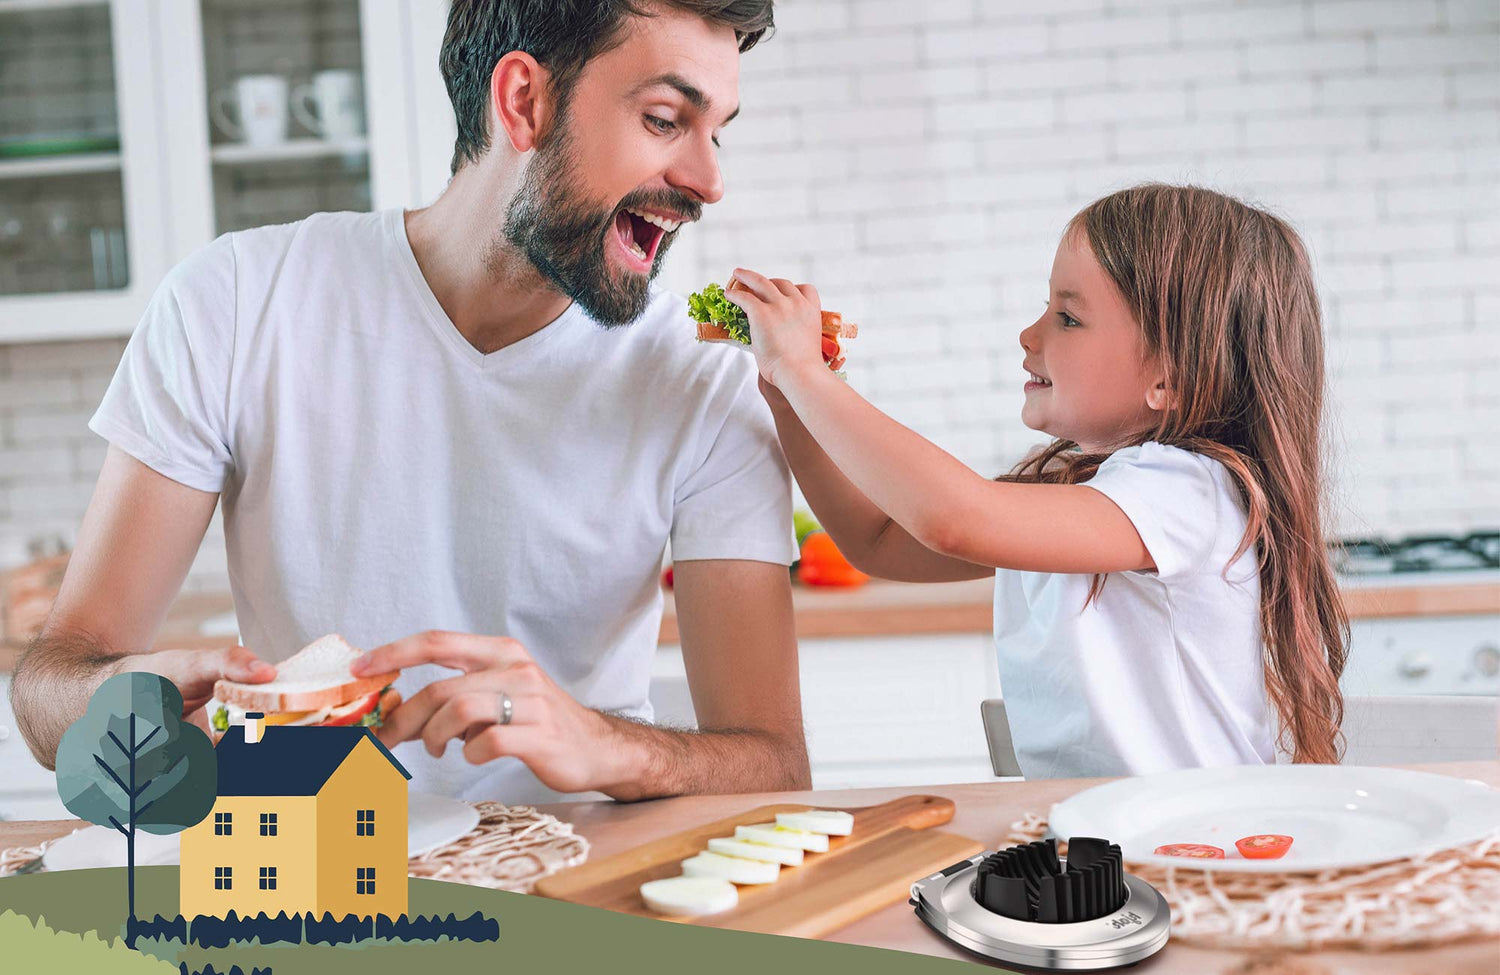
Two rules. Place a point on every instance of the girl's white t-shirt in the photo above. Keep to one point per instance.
(1164, 669)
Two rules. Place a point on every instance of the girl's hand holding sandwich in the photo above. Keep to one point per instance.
(786, 325)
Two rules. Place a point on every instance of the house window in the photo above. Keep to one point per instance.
(223, 878)
(223, 824)
(267, 878)
(268, 824)
(364, 822)
(364, 880)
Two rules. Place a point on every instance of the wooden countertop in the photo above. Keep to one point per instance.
(984, 812)
(180, 629)
(882, 608)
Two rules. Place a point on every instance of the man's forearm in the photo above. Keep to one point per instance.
(655, 762)
(52, 686)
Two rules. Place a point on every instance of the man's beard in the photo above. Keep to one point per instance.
(564, 235)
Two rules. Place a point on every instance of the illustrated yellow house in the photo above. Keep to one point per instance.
(307, 819)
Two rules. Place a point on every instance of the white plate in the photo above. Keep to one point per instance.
(1337, 815)
(431, 822)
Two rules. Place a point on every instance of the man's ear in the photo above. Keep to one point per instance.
(521, 102)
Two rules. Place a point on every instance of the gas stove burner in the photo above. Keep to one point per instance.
(1478, 550)
(1027, 906)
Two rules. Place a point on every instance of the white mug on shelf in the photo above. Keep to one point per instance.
(260, 102)
(333, 105)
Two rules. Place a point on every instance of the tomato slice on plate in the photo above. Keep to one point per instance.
(1197, 851)
(1264, 846)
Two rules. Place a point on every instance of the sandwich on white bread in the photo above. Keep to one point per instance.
(312, 687)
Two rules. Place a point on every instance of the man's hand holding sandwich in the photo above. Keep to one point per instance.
(502, 703)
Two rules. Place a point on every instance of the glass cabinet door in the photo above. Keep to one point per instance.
(286, 107)
(62, 196)
(132, 132)
(83, 231)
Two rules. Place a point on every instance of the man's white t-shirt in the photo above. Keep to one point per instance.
(1164, 670)
(380, 476)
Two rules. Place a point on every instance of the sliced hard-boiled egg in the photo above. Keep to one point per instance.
(689, 895)
(833, 822)
(736, 870)
(772, 835)
(755, 851)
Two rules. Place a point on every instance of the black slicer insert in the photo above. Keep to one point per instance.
(1029, 883)
(1027, 905)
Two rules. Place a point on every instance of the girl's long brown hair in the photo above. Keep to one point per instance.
(1224, 296)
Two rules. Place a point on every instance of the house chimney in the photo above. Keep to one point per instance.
(255, 723)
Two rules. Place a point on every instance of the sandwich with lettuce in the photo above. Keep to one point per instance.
(721, 320)
(313, 687)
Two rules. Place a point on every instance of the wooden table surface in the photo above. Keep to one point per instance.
(985, 812)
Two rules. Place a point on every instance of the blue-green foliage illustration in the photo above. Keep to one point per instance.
(132, 763)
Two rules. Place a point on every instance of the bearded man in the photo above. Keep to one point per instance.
(464, 436)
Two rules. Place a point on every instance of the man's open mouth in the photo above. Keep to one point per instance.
(641, 233)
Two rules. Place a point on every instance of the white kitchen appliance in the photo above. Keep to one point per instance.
(1422, 654)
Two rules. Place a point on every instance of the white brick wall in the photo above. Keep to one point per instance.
(49, 459)
(916, 161)
(941, 183)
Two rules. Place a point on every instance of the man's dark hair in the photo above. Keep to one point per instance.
(563, 35)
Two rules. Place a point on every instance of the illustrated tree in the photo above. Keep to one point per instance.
(132, 763)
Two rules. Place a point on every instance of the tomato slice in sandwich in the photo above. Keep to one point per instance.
(350, 714)
(1263, 846)
(1198, 851)
(830, 348)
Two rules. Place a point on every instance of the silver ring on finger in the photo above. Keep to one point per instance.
(507, 708)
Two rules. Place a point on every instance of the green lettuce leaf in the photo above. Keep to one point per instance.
(221, 720)
(710, 305)
(375, 718)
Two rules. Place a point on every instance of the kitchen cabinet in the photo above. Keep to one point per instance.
(878, 711)
(27, 791)
(122, 150)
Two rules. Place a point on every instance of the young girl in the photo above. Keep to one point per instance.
(1162, 592)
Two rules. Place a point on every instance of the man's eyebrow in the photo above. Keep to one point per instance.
(685, 88)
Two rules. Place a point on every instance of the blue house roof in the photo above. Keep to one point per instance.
(288, 761)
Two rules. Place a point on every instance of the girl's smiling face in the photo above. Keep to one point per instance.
(1090, 379)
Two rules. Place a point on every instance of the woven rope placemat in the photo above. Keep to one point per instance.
(1448, 896)
(511, 848)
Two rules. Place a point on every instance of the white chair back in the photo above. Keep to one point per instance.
(997, 733)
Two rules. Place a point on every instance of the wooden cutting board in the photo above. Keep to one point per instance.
(892, 846)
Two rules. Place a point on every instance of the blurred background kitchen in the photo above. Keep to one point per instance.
(916, 161)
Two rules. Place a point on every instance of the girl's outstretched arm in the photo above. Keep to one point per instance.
(944, 505)
(867, 536)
